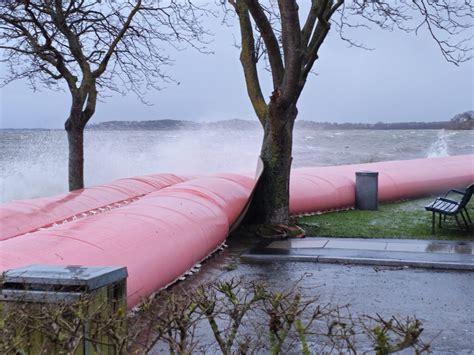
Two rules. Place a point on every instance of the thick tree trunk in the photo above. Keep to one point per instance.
(75, 124)
(75, 138)
(271, 199)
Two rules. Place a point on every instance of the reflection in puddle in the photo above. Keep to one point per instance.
(460, 248)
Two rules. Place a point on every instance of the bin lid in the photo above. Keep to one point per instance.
(89, 277)
(366, 173)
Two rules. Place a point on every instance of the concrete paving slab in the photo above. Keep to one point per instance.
(440, 265)
(432, 247)
(452, 249)
(408, 245)
(281, 244)
(300, 243)
(354, 260)
(356, 244)
(445, 255)
(411, 247)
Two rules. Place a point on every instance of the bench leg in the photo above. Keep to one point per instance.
(467, 214)
(465, 221)
(457, 221)
(433, 222)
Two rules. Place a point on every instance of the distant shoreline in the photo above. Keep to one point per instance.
(240, 124)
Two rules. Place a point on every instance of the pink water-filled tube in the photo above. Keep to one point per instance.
(159, 226)
(325, 188)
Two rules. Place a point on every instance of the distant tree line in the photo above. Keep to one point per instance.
(462, 121)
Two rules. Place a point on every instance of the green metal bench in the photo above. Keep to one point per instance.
(445, 206)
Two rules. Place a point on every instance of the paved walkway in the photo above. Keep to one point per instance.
(436, 254)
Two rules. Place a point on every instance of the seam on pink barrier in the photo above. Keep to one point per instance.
(82, 215)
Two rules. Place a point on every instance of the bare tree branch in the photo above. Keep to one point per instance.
(270, 40)
(449, 23)
(248, 57)
(93, 45)
(293, 52)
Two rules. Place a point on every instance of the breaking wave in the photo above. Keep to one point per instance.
(440, 148)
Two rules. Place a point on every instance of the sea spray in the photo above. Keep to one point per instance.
(440, 147)
(36, 163)
(33, 163)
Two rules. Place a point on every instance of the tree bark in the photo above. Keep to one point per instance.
(270, 204)
(75, 137)
(75, 125)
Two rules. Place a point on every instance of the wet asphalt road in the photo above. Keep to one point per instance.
(443, 300)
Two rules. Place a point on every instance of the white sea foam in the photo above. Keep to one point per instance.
(34, 163)
(440, 148)
(37, 167)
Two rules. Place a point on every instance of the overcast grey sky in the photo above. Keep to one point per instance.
(404, 79)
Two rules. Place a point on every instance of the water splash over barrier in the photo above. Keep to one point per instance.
(173, 222)
(440, 147)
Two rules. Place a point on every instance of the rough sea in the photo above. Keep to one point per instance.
(33, 163)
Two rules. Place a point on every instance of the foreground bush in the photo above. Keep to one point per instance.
(222, 317)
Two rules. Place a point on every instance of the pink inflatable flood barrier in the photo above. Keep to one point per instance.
(158, 237)
(20, 217)
(328, 188)
(170, 223)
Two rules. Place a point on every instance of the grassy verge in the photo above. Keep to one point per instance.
(406, 219)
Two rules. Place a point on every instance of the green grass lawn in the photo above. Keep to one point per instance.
(406, 219)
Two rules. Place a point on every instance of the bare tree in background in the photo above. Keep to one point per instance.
(93, 46)
(272, 30)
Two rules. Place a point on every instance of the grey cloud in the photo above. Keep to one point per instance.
(404, 79)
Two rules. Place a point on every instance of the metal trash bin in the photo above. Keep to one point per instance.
(99, 294)
(366, 190)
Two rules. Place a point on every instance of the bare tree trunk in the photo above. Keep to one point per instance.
(75, 136)
(75, 125)
(76, 159)
(271, 201)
